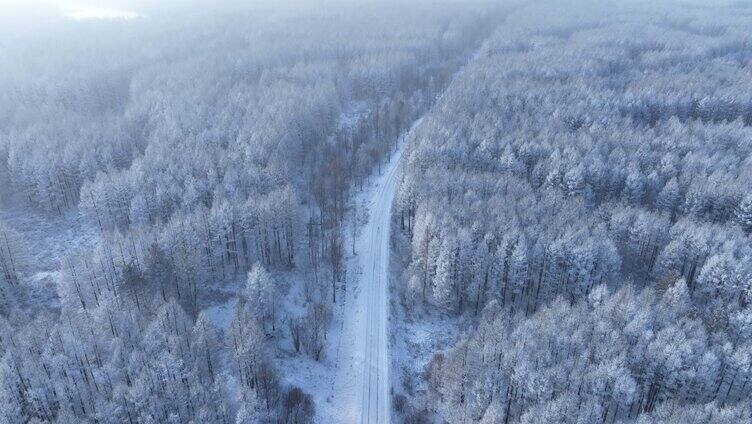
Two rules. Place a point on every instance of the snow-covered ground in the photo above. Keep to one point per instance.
(47, 238)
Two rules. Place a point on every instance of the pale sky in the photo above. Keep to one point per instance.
(78, 9)
(120, 8)
(34, 16)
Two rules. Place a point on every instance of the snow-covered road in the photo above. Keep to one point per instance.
(362, 394)
(375, 398)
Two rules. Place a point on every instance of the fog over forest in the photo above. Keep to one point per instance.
(376, 211)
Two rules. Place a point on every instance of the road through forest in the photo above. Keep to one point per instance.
(362, 383)
(375, 399)
(363, 388)
(373, 346)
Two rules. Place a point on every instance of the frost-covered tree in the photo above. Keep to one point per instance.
(744, 213)
(261, 295)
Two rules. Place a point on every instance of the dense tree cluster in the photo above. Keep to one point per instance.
(583, 189)
(13, 263)
(205, 152)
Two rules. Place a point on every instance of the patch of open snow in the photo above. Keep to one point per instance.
(220, 314)
(47, 237)
(417, 337)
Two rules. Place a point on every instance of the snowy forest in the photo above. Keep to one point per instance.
(577, 210)
(154, 168)
(189, 212)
